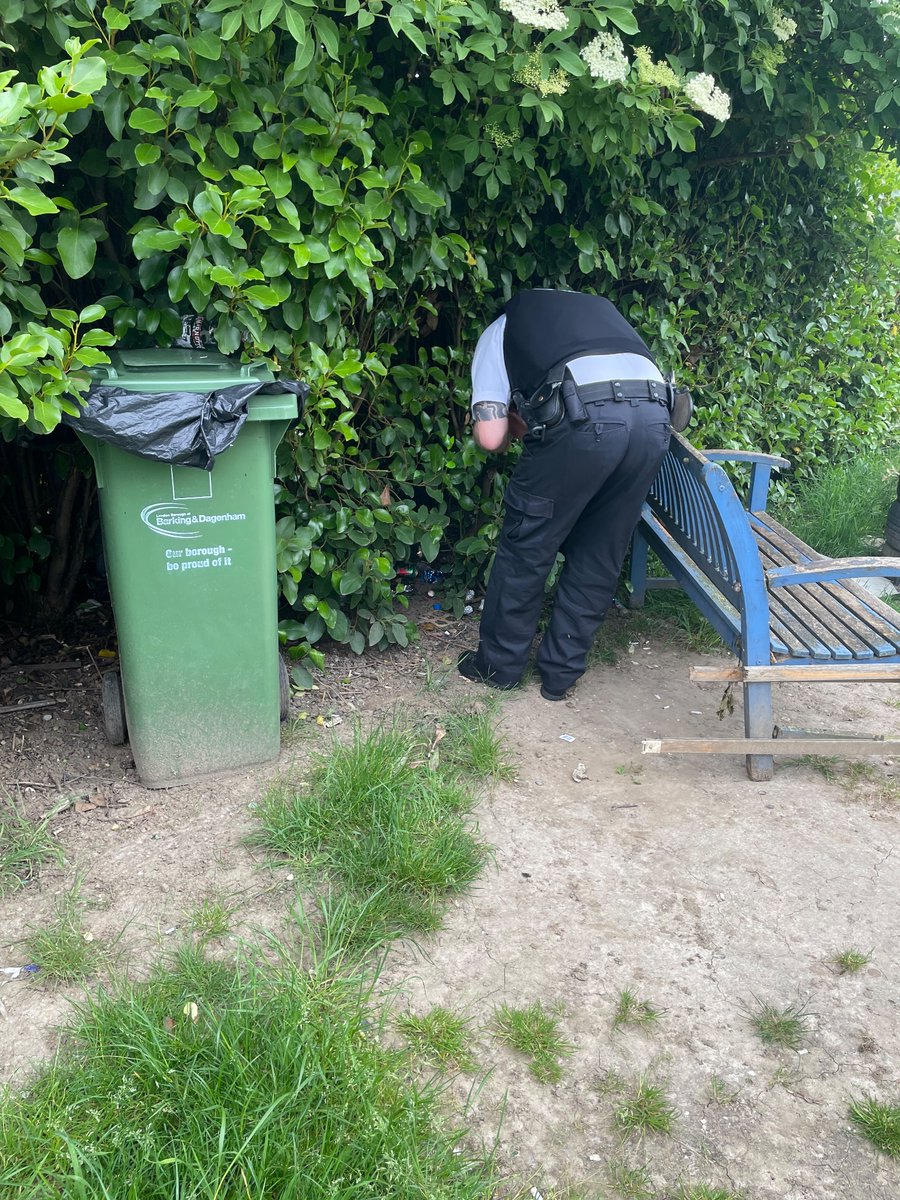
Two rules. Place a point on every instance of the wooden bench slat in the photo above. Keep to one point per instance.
(815, 640)
(846, 612)
(847, 641)
(869, 618)
(827, 631)
(679, 497)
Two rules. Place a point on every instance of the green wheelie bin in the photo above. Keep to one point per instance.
(190, 558)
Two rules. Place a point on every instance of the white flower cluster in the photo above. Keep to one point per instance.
(605, 56)
(703, 94)
(541, 14)
(783, 26)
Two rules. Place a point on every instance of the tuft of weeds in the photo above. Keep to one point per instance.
(440, 1038)
(533, 1031)
(632, 1183)
(782, 1027)
(720, 1091)
(212, 917)
(644, 1109)
(471, 745)
(848, 962)
(632, 1011)
(254, 1078)
(24, 846)
(704, 1191)
(880, 1123)
(64, 950)
(435, 678)
(376, 824)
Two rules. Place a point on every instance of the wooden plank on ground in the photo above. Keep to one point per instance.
(871, 672)
(790, 747)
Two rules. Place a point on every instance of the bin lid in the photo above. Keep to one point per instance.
(165, 369)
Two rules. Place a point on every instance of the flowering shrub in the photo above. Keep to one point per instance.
(350, 190)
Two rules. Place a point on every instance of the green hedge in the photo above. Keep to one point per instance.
(351, 190)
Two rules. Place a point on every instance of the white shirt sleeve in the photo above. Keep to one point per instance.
(489, 378)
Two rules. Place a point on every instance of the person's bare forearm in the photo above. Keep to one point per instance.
(494, 426)
(490, 426)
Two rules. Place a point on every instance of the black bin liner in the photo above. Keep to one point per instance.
(186, 428)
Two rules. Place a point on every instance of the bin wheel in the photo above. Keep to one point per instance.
(113, 702)
(284, 681)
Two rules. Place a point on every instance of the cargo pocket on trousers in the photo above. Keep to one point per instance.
(525, 514)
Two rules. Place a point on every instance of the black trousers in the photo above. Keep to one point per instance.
(579, 491)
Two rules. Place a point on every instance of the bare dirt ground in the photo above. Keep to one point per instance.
(676, 877)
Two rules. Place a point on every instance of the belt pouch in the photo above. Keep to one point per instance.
(572, 401)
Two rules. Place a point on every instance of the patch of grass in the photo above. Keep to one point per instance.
(24, 846)
(613, 638)
(533, 1031)
(843, 507)
(632, 1183)
(782, 1027)
(644, 1109)
(848, 962)
(441, 1038)
(64, 950)
(671, 617)
(828, 768)
(374, 823)
(632, 1011)
(608, 1083)
(212, 917)
(470, 744)
(880, 1123)
(232, 1080)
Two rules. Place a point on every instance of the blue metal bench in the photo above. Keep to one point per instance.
(786, 612)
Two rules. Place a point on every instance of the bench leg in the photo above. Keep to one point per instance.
(758, 723)
(637, 574)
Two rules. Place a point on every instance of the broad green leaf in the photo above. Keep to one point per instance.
(296, 26)
(154, 241)
(146, 120)
(77, 250)
(88, 76)
(32, 200)
(147, 153)
(622, 18)
(115, 19)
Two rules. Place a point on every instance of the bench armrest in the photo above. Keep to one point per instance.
(824, 570)
(762, 467)
(748, 456)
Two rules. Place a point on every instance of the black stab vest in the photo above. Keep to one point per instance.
(546, 327)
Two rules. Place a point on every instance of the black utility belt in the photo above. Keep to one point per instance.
(555, 401)
(633, 390)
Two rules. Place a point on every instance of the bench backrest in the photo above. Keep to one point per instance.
(696, 502)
